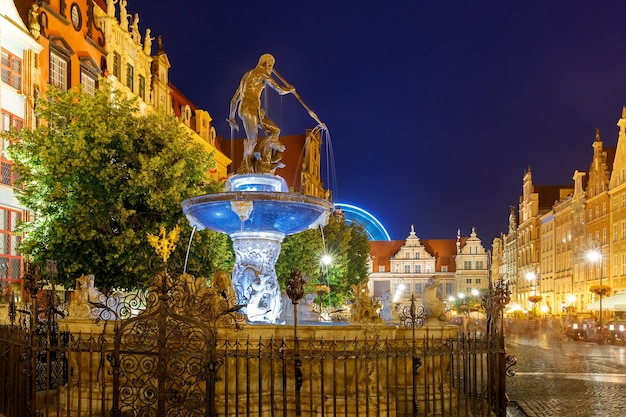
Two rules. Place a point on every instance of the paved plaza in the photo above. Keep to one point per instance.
(557, 377)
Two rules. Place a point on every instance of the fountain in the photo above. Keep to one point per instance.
(256, 210)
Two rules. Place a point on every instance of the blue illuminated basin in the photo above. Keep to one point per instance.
(262, 211)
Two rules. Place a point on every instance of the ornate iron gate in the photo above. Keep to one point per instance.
(163, 361)
(498, 363)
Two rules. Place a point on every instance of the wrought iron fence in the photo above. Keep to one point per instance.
(175, 358)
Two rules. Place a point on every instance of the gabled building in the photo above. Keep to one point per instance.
(401, 268)
(21, 72)
(524, 239)
(472, 265)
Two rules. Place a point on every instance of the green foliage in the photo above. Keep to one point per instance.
(99, 177)
(301, 252)
(348, 247)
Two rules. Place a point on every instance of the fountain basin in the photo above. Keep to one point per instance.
(260, 211)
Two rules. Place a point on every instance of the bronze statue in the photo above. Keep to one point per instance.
(247, 103)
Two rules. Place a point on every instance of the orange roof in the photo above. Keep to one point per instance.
(293, 157)
(444, 251)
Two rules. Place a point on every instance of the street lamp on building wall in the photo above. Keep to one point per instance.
(594, 256)
(532, 277)
(534, 298)
(571, 299)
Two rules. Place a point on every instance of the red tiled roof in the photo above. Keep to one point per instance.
(444, 251)
(382, 251)
(293, 157)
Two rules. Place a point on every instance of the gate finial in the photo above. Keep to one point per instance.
(166, 243)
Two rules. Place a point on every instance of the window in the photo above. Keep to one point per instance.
(479, 264)
(381, 269)
(130, 77)
(448, 286)
(9, 121)
(418, 269)
(468, 280)
(117, 65)
(142, 87)
(604, 208)
(605, 238)
(624, 230)
(444, 269)
(407, 269)
(7, 176)
(88, 83)
(11, 70)
(419, 288)
(58, 71)
(467, 264)
(10, 259)
(590, 214)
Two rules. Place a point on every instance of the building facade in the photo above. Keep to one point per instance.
(572, 221)
(400, 269)
(73, 45)
(21, 71)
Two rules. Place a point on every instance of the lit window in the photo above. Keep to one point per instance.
(117, 65)
(88, 83)
(130, 77)
(142, 87)
(10, 259)
(58, 71)
(11, 70)
(9, 121)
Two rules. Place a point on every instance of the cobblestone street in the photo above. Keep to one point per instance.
(558, 377)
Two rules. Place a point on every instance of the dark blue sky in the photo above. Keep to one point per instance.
(435, 108)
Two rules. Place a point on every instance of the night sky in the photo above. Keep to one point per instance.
(435, 109)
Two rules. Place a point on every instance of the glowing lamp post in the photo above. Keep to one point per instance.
(594, 256)
(571, 299)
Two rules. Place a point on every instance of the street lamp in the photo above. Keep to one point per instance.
(594, 256)
(571, 299)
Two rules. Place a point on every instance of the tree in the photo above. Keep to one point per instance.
(99, 177)
(346, 244)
